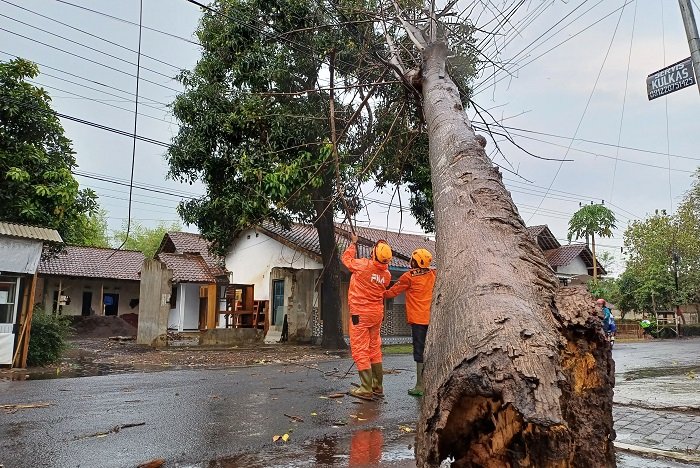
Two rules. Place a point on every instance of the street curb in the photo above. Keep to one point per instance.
(647, 451)
(628, 403)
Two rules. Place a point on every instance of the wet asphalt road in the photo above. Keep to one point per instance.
(231, 415)
(191, 416)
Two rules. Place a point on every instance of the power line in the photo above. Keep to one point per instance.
(41, 65)
(638, 163)
(96, 100)
(631, 148)
(89, 123)
(476, 88)
(129, 22)
(136, 117)
(107, 54)
(91, 35)
(87, 59)
(624, 101)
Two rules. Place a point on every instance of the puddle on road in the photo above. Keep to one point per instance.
(80, 370)
(652, 372)
(363, 448)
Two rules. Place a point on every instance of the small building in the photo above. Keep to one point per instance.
(285, 266)
(21, 247)
(572, 262)
(199, 282)
(91, 281)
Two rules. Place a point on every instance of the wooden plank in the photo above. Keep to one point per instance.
(27, 328)
(212, 305)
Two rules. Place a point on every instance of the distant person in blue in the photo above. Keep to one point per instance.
(609, 326)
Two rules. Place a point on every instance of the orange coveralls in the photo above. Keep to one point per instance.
(418, 284)
(366, 302)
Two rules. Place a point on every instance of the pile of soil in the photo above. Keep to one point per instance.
(101, 327)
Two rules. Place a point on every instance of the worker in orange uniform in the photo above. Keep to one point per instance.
(370, 277)
(418, 283)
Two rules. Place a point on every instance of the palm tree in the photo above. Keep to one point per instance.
(592, 220)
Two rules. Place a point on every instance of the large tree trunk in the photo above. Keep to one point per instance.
(330, 277)
(515, 376)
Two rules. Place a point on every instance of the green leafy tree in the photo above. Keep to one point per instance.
(36, 160)
(592, 220)
(93, 229)
(144, 239)
(663, 257)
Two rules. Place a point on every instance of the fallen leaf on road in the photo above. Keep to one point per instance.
(155, 463)
(314, 414)
(403, 428)
(285, 437)
(275, 438)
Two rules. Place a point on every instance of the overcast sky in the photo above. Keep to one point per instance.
(549, 95)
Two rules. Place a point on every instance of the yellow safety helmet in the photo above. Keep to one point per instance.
(422, 257)
(381, 252)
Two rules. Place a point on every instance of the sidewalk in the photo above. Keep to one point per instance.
(669, 434)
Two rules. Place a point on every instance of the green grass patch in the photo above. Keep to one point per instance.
(398, 349)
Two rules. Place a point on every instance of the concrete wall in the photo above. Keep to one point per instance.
(231, 337)
(576, 267)
(155, 293)
(300, 299)
(127, 291)
(253, 255)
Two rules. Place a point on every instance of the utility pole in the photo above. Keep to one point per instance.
(691, 31)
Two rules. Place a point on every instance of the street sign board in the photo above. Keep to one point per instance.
(672, 78)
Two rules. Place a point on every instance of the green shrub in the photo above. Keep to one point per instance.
(48, 339)
(690, 329)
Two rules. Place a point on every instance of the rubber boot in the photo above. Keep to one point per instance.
(418, 390)
(378, 379)
(364, 391)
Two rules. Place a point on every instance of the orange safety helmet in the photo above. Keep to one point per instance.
(422, 257)
(381, 252)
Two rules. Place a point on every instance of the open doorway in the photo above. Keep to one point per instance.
(111, 304)
(87, 303)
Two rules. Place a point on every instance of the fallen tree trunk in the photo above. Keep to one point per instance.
(516, 373)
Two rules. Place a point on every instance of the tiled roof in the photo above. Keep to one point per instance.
(188, 242)
(567, 253)
(402, 243)
(305, 237)
(187, 268)
(93, 262)
(29, 232)
(544, 237)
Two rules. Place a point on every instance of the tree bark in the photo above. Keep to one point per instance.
(595, 262)
(332, 337)
(515, 375)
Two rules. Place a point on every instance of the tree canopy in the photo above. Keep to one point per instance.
(37, 186)
(659, 248)
(144, 239)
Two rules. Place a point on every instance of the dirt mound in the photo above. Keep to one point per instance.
(101, 327)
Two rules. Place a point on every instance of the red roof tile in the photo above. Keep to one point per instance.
(305, 237)
(188, 242)
(567, 253)
(187, 268)
(94, 262)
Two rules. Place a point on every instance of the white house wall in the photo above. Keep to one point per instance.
(185, 315)
(253, 255)
(74, 288)
(576, 267)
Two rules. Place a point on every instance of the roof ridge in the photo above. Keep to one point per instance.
(103, 248)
